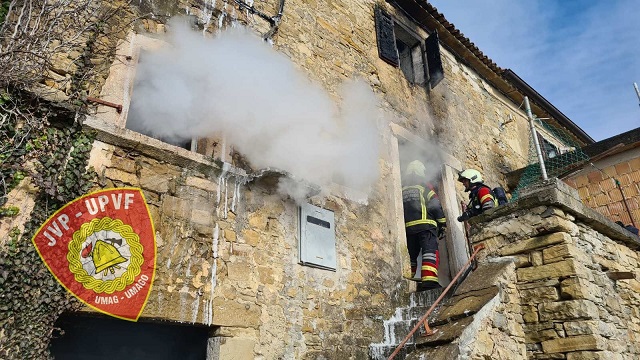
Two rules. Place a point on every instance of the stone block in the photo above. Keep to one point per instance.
(530, 314)
(594, 355)
(123, 176)
(563, 268)
(573, 343)
(536, 258)
(537, 332)
(235, 313)
(558, 253)
(536, 336)
(175, 207)
(201, 217)
(156, 179)
(123, 164)
(577, 288)
(229, 235)
(202, 184)
(461, 306)
(588, 327)
(582, 180)
(568, 310)
(623, 168)
(536, 295)
(602, 199)
(251, 237)
(236, 349)
(258, 221)
(556, 224)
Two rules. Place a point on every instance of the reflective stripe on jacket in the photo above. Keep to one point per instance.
(414, 201)
(481, 199)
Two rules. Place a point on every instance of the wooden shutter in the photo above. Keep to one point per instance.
(434, 62)
(386, 38)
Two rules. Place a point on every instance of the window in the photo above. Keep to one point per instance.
(121, 88)
(410, 52)
(549, 151)
(400, 47)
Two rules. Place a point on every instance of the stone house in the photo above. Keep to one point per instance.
(247, 272)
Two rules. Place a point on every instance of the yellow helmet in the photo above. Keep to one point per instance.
(416, 167)
(472, 175)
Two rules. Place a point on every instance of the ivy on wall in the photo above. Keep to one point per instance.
(54, 156)
(43, 95)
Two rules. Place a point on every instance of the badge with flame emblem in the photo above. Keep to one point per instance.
(101, 247)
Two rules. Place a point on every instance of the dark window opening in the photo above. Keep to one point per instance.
(549, 151)
(419, 61)
(79, 337)
(410, 56)
(136, 123)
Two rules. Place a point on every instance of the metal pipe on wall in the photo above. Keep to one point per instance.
(534, 133)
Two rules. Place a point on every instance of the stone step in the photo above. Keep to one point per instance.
(382, 352)
(401, 323)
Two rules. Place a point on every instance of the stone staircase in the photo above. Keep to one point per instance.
(401, 323)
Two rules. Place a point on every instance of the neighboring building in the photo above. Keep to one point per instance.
(610, 181)
(236, 268)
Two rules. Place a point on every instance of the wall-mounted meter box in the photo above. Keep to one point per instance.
(317, 237)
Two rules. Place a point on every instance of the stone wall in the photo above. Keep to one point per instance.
(576, 274)
(228, 255)
(468, 118)
(597, 186)
(336, 41)
(228, 244)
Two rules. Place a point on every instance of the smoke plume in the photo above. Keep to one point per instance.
(235, 84)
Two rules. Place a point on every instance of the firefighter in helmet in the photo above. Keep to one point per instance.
(480, 196)
(424, 224)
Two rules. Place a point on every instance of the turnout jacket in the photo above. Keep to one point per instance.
(422, 209)
(480, 199)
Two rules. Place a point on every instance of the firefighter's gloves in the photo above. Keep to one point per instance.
(464, 217)
(441, 232)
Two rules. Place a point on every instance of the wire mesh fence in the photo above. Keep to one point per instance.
(560, 152)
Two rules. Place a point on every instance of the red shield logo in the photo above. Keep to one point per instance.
(102, 248)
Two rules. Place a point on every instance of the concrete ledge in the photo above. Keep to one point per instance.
(156, 149)
(554, 192)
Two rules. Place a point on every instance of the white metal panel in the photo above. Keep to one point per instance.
(317, 237)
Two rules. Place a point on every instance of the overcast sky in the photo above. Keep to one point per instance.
(581, 55)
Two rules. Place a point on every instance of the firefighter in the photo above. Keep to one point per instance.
(424, 224)
(480, 196)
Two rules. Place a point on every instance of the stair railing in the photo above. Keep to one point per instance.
(423, 319)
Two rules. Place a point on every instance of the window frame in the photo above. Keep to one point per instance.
(386, 39)
(119, 89)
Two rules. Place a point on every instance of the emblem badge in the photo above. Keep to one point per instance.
(101, 247)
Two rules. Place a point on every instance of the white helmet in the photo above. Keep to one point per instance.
(472, 175)
(416, 167)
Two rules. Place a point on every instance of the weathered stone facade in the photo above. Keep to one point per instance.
(228, 243)
(573, 279)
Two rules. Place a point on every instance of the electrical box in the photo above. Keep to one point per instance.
(317, 237)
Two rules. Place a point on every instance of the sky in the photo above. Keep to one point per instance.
(583, 56)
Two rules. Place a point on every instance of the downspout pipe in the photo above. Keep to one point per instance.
(534, 133)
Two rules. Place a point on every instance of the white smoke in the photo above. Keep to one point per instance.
(235, 84)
